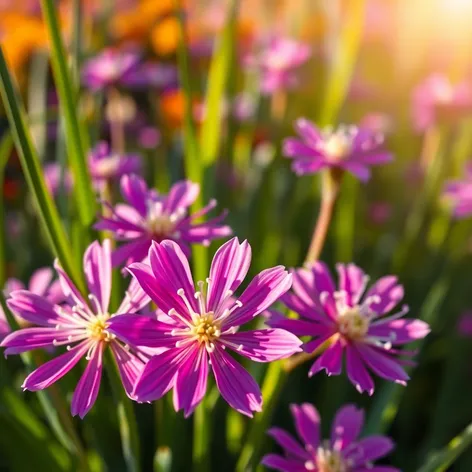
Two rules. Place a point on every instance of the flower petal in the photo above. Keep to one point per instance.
(228, 269)
(129, 366)
(87, 389)
(276, 462)
(263, 345)
(53, 370)
(307, 423)
(135, 299)
(235, 384)
(389, 291)
(346, 427)
(181, 195)
(330, 360)
(400, 331)
(353, 281)
(370, 449)
(357, 372)
(299, 327)
(135, 192)
(27, 339)
(191, 382)
(40, 281)
(287, 442)
(69, 288)
(33, 308)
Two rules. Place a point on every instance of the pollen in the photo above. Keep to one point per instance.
(353, 324)
(161, 225)
(338, 143)
(328, 460)
(206, 329)
(97, 328)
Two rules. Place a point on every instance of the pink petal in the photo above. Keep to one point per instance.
(307, 423)
(33, 308)
(264, 345)
(346, 427)
(235, 384)
(370, 449)
(357, 372)
(300, 327)
(40, 281)
(69, 288)
(135, 192)
(330, 360)
(27, 339)
(135, 299)
(401, 331)
(55, 369)
(129, 366)
(352, 280)
(136, 250)
(287, 442)
(87, 389)
(181, 195)
(389, 292)
(276, 462)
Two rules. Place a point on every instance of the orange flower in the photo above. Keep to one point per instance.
(172, 107)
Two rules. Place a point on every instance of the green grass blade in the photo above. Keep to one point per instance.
(75, 132)
(211, 132)
(33, 174)
(6, 145)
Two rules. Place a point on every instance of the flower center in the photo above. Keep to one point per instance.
(161, 225)
(328, 460)
(107, 166)
(338, 144)
(352, 323)
(205, 328)
(444, 93)
(96, 328)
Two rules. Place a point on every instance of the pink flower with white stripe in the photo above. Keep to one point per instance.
(198, 328)
(342, 452)
(346, 148)
(149, 216)
(81, 326)
(351, 323)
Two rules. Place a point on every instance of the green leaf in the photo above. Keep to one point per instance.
(75, 131)
(6, 145)
(34, 177)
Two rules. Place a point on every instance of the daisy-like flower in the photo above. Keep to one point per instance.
(80, 325)
(437, 99)
(106, 165)
(278, 62)
(459, 194)
(200, 326)
(148, 216)
(352, 324)
(342, 452)
(109, 68)
(347, 148)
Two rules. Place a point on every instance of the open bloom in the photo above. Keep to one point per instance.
(351, 323)
(81, 326)
(199, 327)
(342, 452)
(109, 68)
(347, 148)
(437, 99)
(459, 194)
(106, 165)
(278, 62)
(149, 216)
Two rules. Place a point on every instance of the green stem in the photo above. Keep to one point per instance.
(442, 460)
(6, 145)
(201, 433)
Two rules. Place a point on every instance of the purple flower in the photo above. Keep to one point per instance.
(464, 326)
(53, 178)
(106, 165)
(109, 68)
(80, 325)
(351, 323)
(348, 148)
(437, 99)
(148, 216)
(459, 194)
(200, 327)
(278, 62)
(160, 76)
(342, 452)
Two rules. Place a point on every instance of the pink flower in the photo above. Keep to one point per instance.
(200, 327)
(109, 68)
(54, 179)
(278, 62)
(148, 216)
(342, 452)
(347, 148)
(464, 327)
(160, 76)
(459, 194)
(437, 99)
(351, 323)
(80, 325)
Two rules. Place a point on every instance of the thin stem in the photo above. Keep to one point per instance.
(117, 131)
(330, 190)
(201, 431)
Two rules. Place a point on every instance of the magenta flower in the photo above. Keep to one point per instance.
(160, 76)
(351, 323)
(80, 325)
(347, 148)
(464, 326)
(106, 165)
(438, 100)
(459, 194)
(202, 326)
(109, 68)
(342, 452)
(53, 178)
(148, 217)
(278, 62)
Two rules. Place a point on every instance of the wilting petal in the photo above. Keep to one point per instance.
(330, 361)
(382, 365)
(33, 308)
(87, 389)
(264, 290)
(129, 366)
(264, 345)
(370, 449)
(307, 423)
(97, 269)
(40, 281)
(346, 427)
(287, 442)
(159, 375)
(55, 369)
(138, 330)
(191, 382)
(357, 372)
(181, 195)
(235, 384)
(400, 331)
(276, 462)
(228, 269)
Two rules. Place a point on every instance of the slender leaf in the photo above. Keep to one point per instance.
(6, 145)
